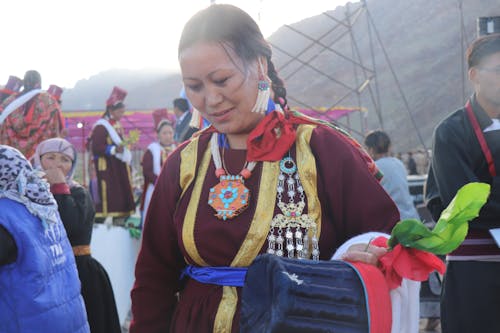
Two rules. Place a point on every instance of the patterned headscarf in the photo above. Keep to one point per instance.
(19, 182)
(56, 145)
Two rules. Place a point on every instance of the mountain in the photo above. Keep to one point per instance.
(412, 52)
(415, 43)
(147, 89)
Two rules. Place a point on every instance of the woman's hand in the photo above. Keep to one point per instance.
(55, 176)
(366, 253)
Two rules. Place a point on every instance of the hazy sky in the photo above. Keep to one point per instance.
(68, 40)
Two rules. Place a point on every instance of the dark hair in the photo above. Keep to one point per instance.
(378, 141)
(182, 104)
(232, 27)
(32, 80)
(163, 123)
(114, 107)
(481, 48)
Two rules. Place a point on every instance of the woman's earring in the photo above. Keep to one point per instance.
(263, 94)
(196, 121)
(262, 97)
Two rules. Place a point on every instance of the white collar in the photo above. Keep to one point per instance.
(495, 126)
(181, 118)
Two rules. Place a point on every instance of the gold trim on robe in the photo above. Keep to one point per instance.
(264, 212)
(104, 196)
(187, 172)
(306, 166)
(102, 165)
(223, 322)
(189, 159)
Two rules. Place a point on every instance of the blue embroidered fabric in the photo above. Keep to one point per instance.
(222, 276)
(290, 295)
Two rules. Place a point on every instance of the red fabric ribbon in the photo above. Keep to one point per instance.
(275, 135)
(404, 262)
(271, 139)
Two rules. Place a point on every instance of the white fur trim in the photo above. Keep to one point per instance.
(155, 148)
(405, 299)
(126, 156)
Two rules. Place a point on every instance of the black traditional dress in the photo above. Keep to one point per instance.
(77, 213)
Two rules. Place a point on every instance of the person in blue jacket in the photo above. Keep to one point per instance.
(39, 285)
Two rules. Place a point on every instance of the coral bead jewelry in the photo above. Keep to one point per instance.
(229, 198)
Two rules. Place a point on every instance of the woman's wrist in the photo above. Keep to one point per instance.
(60, 188)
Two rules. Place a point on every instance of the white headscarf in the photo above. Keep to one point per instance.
(19, 182)
(56, 145)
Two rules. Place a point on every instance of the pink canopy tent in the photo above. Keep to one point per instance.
(79, 123)
(79, 126)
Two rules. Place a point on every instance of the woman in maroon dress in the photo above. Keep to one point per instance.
(112, 161)
(155, 155)
(260, 179)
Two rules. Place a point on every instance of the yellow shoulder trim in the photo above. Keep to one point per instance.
(306, 164)
(189, 156)
(187, 174)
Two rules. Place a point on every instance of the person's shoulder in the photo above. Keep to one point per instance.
(78, 190)
(396, 163)
(46, 98)
(334, 135)
(455, 120)
(9, 205)
(153, 145)
(388, 163)
(7, 101)
(98, 126)
(200, 140)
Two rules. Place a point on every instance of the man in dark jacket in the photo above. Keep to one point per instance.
(466, 148)
(182, 129)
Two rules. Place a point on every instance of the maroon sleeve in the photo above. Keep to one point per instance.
(147, 168)
(354, 199)
(98, 139)
(159, 263)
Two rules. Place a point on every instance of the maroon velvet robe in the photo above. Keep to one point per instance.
(113, 178)
(147, 168)
(351, 199)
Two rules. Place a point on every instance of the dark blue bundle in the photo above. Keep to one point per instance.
(291, 295)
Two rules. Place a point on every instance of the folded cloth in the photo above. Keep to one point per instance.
(291, 295)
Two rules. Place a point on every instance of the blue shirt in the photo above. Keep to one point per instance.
(396, 185)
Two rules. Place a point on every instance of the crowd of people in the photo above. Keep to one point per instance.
(259, 180)
(37, 166)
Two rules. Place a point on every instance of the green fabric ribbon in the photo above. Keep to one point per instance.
(451, 228)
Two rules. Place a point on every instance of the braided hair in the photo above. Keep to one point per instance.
(232, 27)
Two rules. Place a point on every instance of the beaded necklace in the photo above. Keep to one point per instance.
(230, 196)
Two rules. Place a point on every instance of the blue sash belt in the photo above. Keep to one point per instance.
(222, 276)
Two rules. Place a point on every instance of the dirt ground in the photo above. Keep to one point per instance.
(430, 326)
